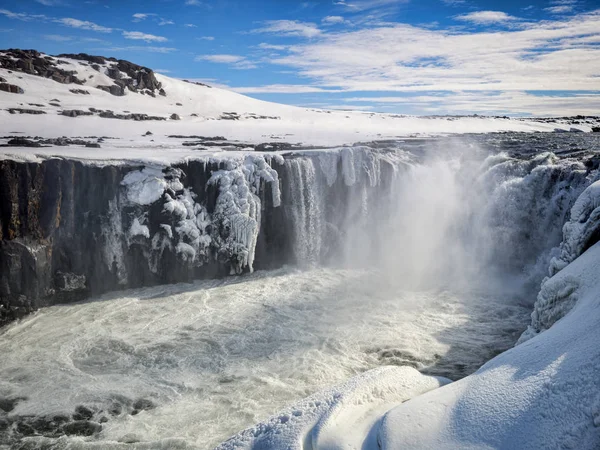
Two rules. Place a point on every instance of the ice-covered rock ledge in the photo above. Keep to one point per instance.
(73, 228)
(543, 393)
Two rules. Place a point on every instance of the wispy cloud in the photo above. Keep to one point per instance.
(561, 6)
(486, 17)
(266, 46)
(454, 2)
(207, 38)
(138, 48)
(22, 16)
(83, 25)
(51, 2)
(236, 61)
(190, 25)
(363, 5)
(332, 20)
(517, 102)
(289, 28)
(556, 55)
(138, 35)
(281, 89)
(139, 17)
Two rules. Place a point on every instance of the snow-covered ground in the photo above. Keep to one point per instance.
(201, 110)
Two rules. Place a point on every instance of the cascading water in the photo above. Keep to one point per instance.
(421, 253)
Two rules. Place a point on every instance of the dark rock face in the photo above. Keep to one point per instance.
(595, 129)
(126, 75)
(76, 113)
(23, 142)
(12, 88)
(69, 230)
(175, 117)
(113, 89)
(32, 62)
(132, 116)
(25, 111)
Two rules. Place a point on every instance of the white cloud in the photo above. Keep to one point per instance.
(50, 2)
(363, 5)
(517, 102)
(236, 61)
(547, 55)
(194, 3)
(138, 17)
(454, 2)
(190, 25)
(22, 16)
(486, 17)
(289, 28)
(280, 89)
(332, 20)
(83, 25)
(561, 6)
(165, 22)
(266, 46)
(559, 9)
(138, 35)
(207, 38)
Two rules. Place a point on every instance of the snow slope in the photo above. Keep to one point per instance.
(203, 111)
(543, 393)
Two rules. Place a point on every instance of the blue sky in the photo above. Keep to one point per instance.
(403, 56)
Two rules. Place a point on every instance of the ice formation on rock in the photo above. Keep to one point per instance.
(581, 232)
(186, 227)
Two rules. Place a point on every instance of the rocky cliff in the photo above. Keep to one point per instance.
(69, 230)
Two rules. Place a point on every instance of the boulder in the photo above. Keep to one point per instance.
(25, 111)
(12, 88)
(175, 117)
(23, 142)
(75, 113)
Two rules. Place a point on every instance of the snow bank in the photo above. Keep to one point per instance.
(544, 393)
(340, 417)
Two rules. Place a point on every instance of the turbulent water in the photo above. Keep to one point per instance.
(440, 275)
(216, 357)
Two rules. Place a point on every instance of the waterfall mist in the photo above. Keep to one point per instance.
(452, 214)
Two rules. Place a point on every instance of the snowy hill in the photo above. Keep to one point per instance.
(83, 95)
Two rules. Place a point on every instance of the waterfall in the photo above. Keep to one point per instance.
(304, 206)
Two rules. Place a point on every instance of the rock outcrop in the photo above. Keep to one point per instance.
(69, 230)
(127, 76)
(34, 63)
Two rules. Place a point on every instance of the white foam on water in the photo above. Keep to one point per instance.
(216, 357)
